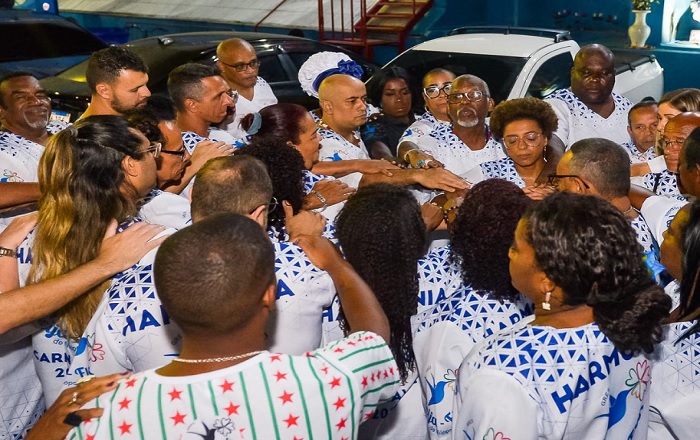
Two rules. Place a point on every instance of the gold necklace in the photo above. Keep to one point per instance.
(218, 359)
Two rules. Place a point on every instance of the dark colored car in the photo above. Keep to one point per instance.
(280, 58)
(42, 44)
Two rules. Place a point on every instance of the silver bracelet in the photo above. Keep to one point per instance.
(322, 199)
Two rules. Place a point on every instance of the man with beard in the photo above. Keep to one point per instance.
(344, 155)
(589, 108)
(468, 143)
(25, 109)
(239, 66)
(117, 78)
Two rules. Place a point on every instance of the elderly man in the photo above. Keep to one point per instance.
(589, 108)
(344, 155)
(117, 79)
(468, 143)
(675, 133)
(239, 65)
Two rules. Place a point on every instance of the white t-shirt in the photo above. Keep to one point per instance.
(561, 383)
(325, 394)
(423, 126)
(676, 382)
(444, 334)
(577, 121)
(334, 147)
(659, 211)
(457, 157)
(262, 97)
(167, 209)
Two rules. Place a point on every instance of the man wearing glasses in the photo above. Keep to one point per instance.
(676, 131)
(468, 143)
(589, 108)
(239, 65)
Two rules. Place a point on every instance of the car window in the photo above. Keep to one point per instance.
(499, 72)
(24, 41)
(271, 68)
(554, 74)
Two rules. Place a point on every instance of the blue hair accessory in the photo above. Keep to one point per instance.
(348, 67)
(255, 125)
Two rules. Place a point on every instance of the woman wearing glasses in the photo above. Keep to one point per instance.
(91, 174)
(675, 393)
(576, 370)
(392, 92)
(524, 127)
(436, 87)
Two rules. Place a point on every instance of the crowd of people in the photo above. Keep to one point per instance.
(215, 264)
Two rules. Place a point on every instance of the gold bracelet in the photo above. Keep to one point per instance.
(5, 252)
(405, 155)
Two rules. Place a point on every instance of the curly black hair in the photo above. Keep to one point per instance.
(598, 263)
(483, 231)
(383, 236)
(523, 108)
(285, 165)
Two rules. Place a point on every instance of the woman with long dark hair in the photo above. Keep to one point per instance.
(576, 369)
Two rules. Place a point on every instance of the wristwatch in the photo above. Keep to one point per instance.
(5, 252)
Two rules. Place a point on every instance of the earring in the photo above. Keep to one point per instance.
(545, 304)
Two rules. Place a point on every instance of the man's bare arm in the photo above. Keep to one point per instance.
(13, 194)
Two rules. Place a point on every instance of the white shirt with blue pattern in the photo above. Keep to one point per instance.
(423, 126)
(676, 389)
(444, 334)
(662, 184)
(335, 147)
(501, 169)
(577, 121)
(165, 208)
(566, 384)
(457, 157)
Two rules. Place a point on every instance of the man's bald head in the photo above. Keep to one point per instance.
(343, 101)
(232, 45)
(687, 121)
(594, 49)
(238, 63)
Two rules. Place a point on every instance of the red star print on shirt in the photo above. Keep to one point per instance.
(131, 382)
(89, 437)
(175, 394)
(125, 428)
(178, 418)
(226, 386)
(369, 415)
(232, 409)
(340, 403)
(339, 350)
(124, 404)
(291, 420)
(365, 382)
(280, 376)
(286, 397)
(335, 382)
(341, 423)
(276, 357)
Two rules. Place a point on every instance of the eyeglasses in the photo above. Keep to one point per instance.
(553, 179)
(240, 67)
(665, 143)
(155, 148)
(433, 92)
(234, 95)
(529, 140)
(181, 152)
(475, 95)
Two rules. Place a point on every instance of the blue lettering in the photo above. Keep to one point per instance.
(283, 289)
(561, 400)
(595, 371)
(327, 315)
(614, 358)
(52, 358)
(581, 386)
(130, 326)
(148, 320)
(23, 258)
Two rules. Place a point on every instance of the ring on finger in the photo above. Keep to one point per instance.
(74, 399)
